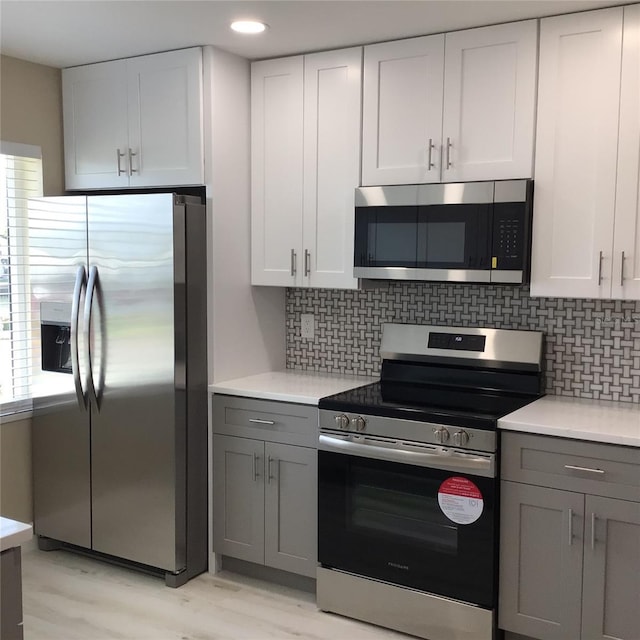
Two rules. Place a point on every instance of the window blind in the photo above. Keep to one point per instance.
(20, 179)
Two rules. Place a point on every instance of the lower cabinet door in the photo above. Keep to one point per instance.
(611, 601)
(291, 497)
(541, 542)
(238, 498)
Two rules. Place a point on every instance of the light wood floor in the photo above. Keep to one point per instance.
(71, 597)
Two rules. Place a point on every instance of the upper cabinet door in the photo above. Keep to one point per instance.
(626, 253)
(276, 172)
(135, 122)
(576, 154)
(95, 126)
(402, 111)
(165, 119)
(489, 102)
(332, 102)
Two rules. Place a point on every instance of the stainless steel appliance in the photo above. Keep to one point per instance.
(118, 301)
(408, 483)
(465, 232)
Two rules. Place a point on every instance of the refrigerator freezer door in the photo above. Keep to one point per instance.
(135, 446)
(57, 237)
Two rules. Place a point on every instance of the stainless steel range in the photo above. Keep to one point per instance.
(408, 480)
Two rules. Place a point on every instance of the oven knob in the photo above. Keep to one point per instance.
(342, 421)
(361, 423)
(441, 435)
(460, 438)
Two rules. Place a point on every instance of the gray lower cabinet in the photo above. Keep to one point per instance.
(611, 582)
(238, 498)
(264, 489)
(290, 508)
(540, 572)
(11, 594)
(569, 559)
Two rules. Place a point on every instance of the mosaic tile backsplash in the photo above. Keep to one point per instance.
(592, 346)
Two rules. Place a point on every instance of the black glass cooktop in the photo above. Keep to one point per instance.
(429, 403)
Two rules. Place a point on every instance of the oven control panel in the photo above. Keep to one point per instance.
(425, 432)
(354, 423)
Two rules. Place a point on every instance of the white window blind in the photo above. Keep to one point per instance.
(20, 179)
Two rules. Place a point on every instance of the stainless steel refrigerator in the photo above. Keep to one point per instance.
(118, 316)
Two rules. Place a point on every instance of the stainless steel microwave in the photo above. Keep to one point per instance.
(459, 232)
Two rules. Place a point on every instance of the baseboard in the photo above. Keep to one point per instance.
(268, 574)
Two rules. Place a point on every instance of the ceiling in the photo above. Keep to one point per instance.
(64, 33)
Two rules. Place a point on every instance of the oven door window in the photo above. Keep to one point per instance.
(424, 237)
(379, 505)
(383, 520)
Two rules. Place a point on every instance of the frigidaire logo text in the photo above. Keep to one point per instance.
(398, 566)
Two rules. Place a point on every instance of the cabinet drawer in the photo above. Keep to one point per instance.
(573, 465)
(265, 420)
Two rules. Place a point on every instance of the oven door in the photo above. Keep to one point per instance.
(431, 529)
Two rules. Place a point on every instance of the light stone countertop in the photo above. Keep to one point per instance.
(290, 385)
(578, 418)
(13, 533)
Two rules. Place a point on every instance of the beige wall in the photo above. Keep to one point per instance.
(31, 113)
(15, 471)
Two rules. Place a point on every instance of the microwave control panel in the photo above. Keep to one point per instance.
(509, 230)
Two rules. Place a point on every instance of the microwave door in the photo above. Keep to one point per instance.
(456, 241)
(386, 240)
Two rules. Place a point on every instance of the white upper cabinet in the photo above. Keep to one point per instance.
(626, 255)
(276, 170)
(445, 108)
(135, 122)
(332, 103)
(305, 132)
(402, 111)
(587, 186)
(96, 135)
(489, 102)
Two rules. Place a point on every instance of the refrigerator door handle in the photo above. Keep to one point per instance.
(88, 308)
(80, 284)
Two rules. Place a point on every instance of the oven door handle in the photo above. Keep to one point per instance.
(479, 465)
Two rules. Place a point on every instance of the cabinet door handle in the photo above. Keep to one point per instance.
(256, 471)
(307, 263)
(259, 421)
(131, 169)
(570, 527)
(449, 145)
(270, 475)
(294, 270)
(622, 269)
(430, 163)
(593, 530)
(120, 169)
(600, 269)
(587, 469)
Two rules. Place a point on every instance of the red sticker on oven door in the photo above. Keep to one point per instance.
(460, 500)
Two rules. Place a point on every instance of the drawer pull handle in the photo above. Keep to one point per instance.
(593, 530)
(575, 468)
(258, 421)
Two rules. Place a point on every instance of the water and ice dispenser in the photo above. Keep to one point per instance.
(55, 336)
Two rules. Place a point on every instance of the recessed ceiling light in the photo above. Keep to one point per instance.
(248, 26)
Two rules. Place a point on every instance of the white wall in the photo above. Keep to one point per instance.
(246, 324)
